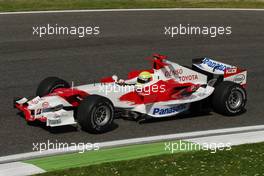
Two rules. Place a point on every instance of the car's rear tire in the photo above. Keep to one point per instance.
(95, 114)
(49, 84)
(229, 98)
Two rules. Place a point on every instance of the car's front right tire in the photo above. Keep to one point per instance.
(49, 84)
(95, 114)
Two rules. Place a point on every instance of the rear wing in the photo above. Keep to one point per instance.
(228, 72)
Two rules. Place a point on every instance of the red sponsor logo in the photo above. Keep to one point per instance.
(173, 72)
(188, 78)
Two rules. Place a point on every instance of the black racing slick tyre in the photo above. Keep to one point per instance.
(229, 98)
(49, 84)
(95, 114)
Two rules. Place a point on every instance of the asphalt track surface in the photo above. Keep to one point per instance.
(126, 38)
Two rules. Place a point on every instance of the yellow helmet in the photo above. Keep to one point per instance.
(144, 77)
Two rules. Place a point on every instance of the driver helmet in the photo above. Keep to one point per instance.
(144, 77)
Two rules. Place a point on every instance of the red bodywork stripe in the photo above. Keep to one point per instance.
(171, 90)
(27, 113)
(107, 80)
(71, 95)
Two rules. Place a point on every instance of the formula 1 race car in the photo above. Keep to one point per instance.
(164, 90)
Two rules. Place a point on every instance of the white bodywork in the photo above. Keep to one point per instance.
(54, 118)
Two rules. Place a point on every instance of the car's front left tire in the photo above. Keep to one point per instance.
(95, 114)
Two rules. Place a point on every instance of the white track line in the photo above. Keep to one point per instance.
(232, 139)
(19, 169)
(109, 144)
(130, 10)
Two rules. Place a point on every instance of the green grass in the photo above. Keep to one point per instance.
(100, 156)
(26, 5)
(241, 160)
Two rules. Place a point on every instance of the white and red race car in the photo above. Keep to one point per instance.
(171, 89)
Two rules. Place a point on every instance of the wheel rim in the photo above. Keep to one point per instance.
(102, 115)
(235, 99)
